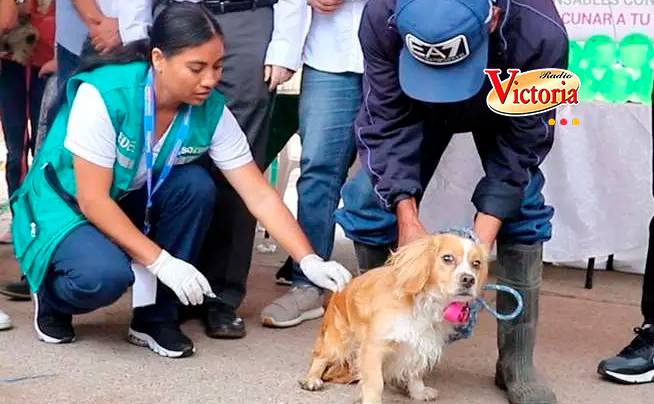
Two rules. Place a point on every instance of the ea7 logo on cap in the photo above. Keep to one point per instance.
(439, 54)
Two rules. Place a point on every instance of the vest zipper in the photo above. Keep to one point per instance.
(30, 215)
(55, 184)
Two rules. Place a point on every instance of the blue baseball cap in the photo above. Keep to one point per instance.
(445, 48)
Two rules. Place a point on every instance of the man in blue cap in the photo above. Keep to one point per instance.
(423, 82)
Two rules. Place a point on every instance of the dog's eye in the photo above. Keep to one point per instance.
(448, 258)
(476, 264)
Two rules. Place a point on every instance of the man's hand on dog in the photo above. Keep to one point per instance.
(105, 35)
(408, 222)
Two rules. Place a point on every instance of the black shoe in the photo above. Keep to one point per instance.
(221, 321)
(165, 339)
(19, 290)
(635, 363)
(50, 326)
(283, 276)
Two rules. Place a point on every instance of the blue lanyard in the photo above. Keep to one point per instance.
(148, 126)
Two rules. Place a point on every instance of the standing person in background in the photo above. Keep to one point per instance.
(104, 24)
(635, 363)
(8, 20)
(329, 101)
(21, 92)
(263, 44)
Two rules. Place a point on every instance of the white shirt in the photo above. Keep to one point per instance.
(91, 136)
(289, 27)
(134, 18)
(332, 44)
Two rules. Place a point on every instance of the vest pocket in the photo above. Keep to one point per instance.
(24, 226)
(53, 180)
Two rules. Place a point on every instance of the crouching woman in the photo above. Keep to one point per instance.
(117, 182)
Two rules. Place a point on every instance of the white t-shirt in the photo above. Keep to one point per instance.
(92, 137)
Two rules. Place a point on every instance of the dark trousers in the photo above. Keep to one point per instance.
(67, 64)
(227, 253)
(89, 271)
(647, 302)
(18, 103)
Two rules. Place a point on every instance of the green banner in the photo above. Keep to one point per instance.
(614, 72)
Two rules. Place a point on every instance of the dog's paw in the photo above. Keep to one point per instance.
(424, 394)
(312, 384)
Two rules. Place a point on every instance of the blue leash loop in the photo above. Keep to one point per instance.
(464, 331)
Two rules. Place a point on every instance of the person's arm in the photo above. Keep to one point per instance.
(231, 153)
(521, 146)
(91, 138)
(8, 15)
(88, 11)
(93, 183)
(283, 56)
(388, 127)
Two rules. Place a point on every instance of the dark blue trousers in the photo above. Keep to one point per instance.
(18, 103)
(89, 271)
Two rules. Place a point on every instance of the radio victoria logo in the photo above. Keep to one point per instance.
(531, 92)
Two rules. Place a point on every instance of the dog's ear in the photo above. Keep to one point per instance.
(413, 264)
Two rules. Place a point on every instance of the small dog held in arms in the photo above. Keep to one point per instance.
(387, 325)
(20, 42)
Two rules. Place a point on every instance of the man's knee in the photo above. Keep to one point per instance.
(534, 223)
(362, 217)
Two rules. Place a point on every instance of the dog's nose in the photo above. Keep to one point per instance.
(467, 280)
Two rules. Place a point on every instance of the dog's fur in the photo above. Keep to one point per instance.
(387, 325)
(21, 41)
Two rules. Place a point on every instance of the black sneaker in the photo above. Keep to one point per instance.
(283, 276)
(635, 363)
(165, 339)
(51, 326)
(18, 290)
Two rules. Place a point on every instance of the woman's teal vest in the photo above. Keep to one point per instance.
(45, 209)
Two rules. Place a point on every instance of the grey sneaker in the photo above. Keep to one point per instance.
(301, 303)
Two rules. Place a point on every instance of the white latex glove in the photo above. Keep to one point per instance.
(188, 283)
(328, 275)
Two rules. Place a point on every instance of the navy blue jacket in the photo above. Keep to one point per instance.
(390, 127)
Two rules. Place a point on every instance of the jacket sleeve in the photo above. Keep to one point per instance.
(388, 127)
(524, 141)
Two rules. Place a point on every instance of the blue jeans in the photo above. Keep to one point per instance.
(328, 106)
(89, 271)
(365, 221)
(18, 103)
